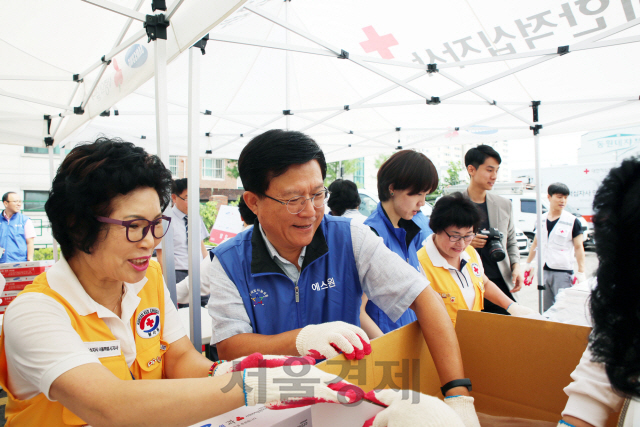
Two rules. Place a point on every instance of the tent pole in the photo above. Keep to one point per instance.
(287, 66)
(539, 249)
(162, 137)
(51, 174)
(193, 192)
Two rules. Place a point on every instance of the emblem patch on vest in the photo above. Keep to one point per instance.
(258, 296)
(476, 269)
(148, 323)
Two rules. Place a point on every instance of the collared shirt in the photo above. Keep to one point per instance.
(289, 269)
(42, 344)
(29, 229)
(460, 276)
(180, 248)
(385, 278)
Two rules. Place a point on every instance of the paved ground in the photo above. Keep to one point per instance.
(528, 296)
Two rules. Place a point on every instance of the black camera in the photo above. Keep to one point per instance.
(493, 248)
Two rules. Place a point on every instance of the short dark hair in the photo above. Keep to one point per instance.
(344, 195)
(246, 214)
(87, 181)
(5, 196)
(407, 169)
(558, 188)
(178, 186)
(454, 210)
(476, 156)
(615, 301)
(270, 155)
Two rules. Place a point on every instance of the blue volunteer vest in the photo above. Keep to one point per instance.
(395, 239)
(12, 238)
(328, 288)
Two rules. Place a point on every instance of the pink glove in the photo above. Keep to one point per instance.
(257, 360)
(286, 387)
(329, 339)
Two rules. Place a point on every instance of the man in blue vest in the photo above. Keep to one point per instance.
(16, 231)
(292, 284)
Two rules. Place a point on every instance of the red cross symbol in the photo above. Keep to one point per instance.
(475, 269)
(149, 322)
(561, 231)
(586, 171)
(378, 43)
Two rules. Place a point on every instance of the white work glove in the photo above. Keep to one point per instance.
(529, 273)
(580, 277)
(518, 310)
(463, 406)
(419, 410)
(329, 339)
(257, 360)
(293, 386)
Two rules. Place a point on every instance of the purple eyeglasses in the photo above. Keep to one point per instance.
(137, 229)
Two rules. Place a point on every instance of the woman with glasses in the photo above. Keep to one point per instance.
(74, 340)
(454, 267)
(404, 180)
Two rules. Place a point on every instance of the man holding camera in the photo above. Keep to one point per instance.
(496, 240)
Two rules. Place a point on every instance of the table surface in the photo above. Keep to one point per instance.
(205, 322)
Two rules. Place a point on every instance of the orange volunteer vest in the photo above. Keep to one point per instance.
(446, 286)
(147, 326)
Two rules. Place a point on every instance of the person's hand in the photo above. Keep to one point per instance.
(529, 273)
(518, 310)
(463, 406)
(291, 387)
(329, 339)
(417, 410)
(257, 360)
(516, 278)
(580, 277)
(479, 240)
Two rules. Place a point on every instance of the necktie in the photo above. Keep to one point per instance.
(186, 226)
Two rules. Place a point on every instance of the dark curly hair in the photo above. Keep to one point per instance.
(454, 210)
(86, 182)
(615, 302)
(344, 195)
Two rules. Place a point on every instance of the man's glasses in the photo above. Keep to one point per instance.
(454, 239)
(137, 229)
(295, 205)
(186, 200)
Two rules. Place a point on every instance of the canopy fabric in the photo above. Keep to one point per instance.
(354, 75)
(61, 55)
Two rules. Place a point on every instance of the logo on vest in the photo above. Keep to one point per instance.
(148, 323)
(476, 269)
(258, 296)
(321, 286)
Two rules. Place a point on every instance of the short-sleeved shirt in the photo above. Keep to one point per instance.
(385, 278)
(179, 228)
(576, 231)
(43, 345)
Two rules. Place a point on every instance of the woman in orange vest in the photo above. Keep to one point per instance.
(75, 340)
(453, 267)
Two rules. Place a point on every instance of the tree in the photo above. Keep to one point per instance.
(453, 173)
(232, 169)
(209, 212)
(333, 170)
(380, 160)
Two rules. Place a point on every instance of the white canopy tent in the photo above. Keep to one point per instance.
(360, 77)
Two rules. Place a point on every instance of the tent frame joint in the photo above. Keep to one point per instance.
(156, 27)
(158, 5)
(535, 129)
(78, 110)
(76, 78)
(435, 100)
(48, 141)
(287, 112)
(346, 108)
(343, 54)
(432, 68)
(104, 60)
(202, 43)
(563, 50)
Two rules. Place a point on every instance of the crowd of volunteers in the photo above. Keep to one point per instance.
(80, 345)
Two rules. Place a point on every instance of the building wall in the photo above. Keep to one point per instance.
(210, 186)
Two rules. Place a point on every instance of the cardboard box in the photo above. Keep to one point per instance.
(518, 366)
(17, 283)
(30, 268)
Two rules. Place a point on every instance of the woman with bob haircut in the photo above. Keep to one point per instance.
(74, 340)
(453, 267)
(404, 181)
(345, 200)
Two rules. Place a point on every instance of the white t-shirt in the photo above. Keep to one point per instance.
(41, 344)
(354, 214)
(461, 277)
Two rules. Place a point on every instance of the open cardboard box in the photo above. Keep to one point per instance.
(518, 366)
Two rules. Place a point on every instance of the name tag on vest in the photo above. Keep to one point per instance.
(104, 348)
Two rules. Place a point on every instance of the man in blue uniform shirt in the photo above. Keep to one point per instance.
(17, 233)
(293, 283)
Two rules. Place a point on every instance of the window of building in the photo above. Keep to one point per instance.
(173, 165)
(358, 175)
(34, 200)
(213, 168)
(41, 150)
